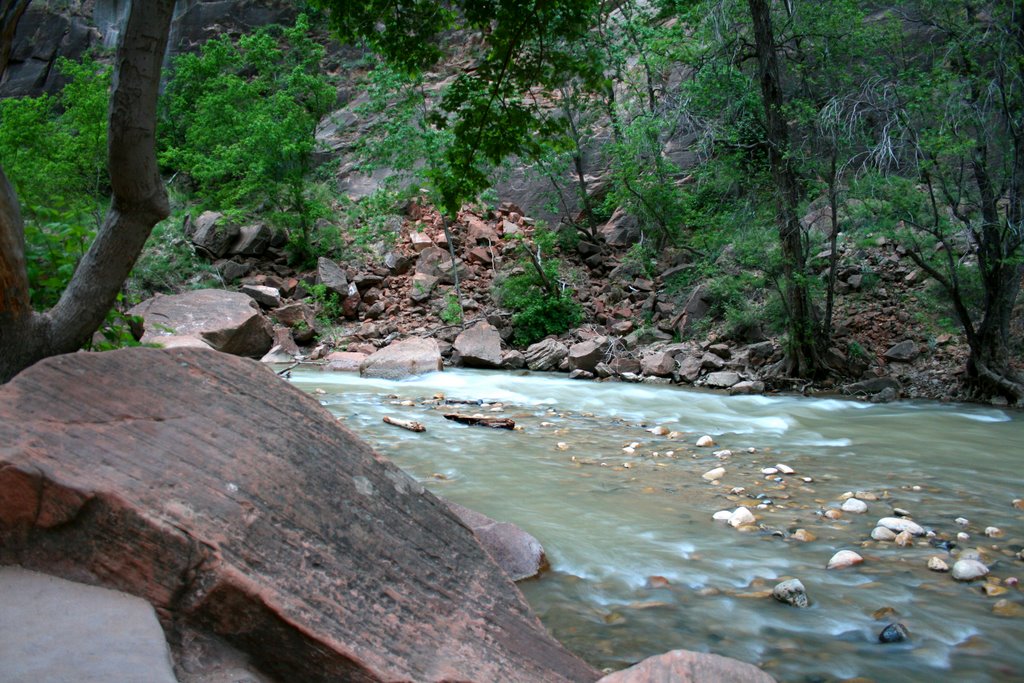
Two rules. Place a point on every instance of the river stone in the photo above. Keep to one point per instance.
(854, 505)
(894, 633)
(658, 364)
(898, 524)
(937, 564)
(722, 515)
(722, 380)
(969, 570)
(412, 356)
(519, 554)
(791, 592)
(705, 441)
(683, 666)
(843, 559)
(479, 346)
(880, 533)
(230, 322)
(740, 517)
(713, 474)
(547, 354)
(345, 361)
(235, 504)
(54, 630)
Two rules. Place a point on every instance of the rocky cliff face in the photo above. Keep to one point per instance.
(51, 29)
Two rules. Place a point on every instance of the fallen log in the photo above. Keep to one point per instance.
(492, 422)
(405, 424)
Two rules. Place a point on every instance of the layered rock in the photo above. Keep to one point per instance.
(228, 321)
(166, 475)
(683, 666)
(412, 356)
(479, 346)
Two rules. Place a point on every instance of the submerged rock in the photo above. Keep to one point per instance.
(854, 505)
(969, 570)
(899, 524)
(843, 559)
(412, 356)
(894, 633)
(880, 533)
(169, 475)
(518, 553)
(791, 592)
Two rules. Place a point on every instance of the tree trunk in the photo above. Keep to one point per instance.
(10, 14)
(139, 202)
(802, 355)
(989, 363)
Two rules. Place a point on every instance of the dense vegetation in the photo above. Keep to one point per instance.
(903, 121)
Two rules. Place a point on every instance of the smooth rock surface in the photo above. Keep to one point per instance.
(684, 666)
(230, 322)
(58, 631)
(843, 559)
(969, 570)
(479, 346)
(518, 553)
(899, 524)
(791, 592)
(169, 475)
(405, 358)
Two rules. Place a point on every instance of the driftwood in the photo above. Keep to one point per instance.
(492, 422)
(405, 424)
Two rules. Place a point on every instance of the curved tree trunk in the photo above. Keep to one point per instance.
(139, 202)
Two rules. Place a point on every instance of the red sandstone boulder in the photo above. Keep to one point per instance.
(228, 321)
(683, 666)
(345, 361)
(517, 552)
(479, 346)
(412, 356)
(171, 476)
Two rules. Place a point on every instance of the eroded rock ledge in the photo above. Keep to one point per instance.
(236, 505)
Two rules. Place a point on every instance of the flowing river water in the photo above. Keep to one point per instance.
(638, 565)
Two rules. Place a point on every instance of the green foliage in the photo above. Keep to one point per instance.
(53, 149)
(451, 314)
(117, 330)
(536, 292)
(168, 262)
(240, 120)
(329, 302)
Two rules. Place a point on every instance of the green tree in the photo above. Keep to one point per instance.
(240, 119)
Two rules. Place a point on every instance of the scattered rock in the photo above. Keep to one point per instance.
(659, 364)
(904, 352)
(937, 564)
(230, 322)
(722, 380)
(854, 505)
(519, 554)
(791, 592)
(894, 633)
(804, 536)
(331, 276)
(345, 361)
(713, 474)
(898, 524)
(705, 441)
(479, 346)
(904, 539)
(880, 533)
(740, 517)
(546, 354)
(843, 559)
(412, 356)
(587, 354)
(993, 532)
(969, 570)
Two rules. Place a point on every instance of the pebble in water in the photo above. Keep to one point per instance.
(993, 531)
(894, 633)
(937, 564)
(705, 441)
(722, 455)
(854, 505)
(791, 592)
(962, 521)
(963, 537)
(904, 539)
(804, 535)
(865, 495)
(969, 570)
(880, 533)
(722, 515)
(899, 524)
(1007, 608)
(740, 517)
(785, 469)
(833, 514)
(843, 559)
(1018, 503)
(900, 512)
(713, 474)
(659, 431)
(769, 470)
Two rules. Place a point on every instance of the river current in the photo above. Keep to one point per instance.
(638, 565)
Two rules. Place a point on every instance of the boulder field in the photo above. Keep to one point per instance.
(238, 507)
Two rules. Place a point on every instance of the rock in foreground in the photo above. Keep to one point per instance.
(683, 666)
(168, 475)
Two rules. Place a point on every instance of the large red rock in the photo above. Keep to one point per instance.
(237, 505)
(479, 346)
(228, 321)
(684, 666)
(516, 551)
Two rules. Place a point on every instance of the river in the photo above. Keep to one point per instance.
(638, 565)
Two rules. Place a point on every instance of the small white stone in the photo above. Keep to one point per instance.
(785, 469)
(901, 512)
(993, 531)
(722, 515)
(846, 496)
(937, 564)
(880, 533)
(844, 558)
(705, 441)
(969, 570)
(675, 435)
(741, 516)
(562, 446)
(855, 506)
(769, 470)
(963, 536)
(713, 474)
(807, 480)
(754, 450)
(659, 430)
(737, 490)
(962, 521)
(721, 455)
(899, 524)
(865, 495)
(629, 450)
